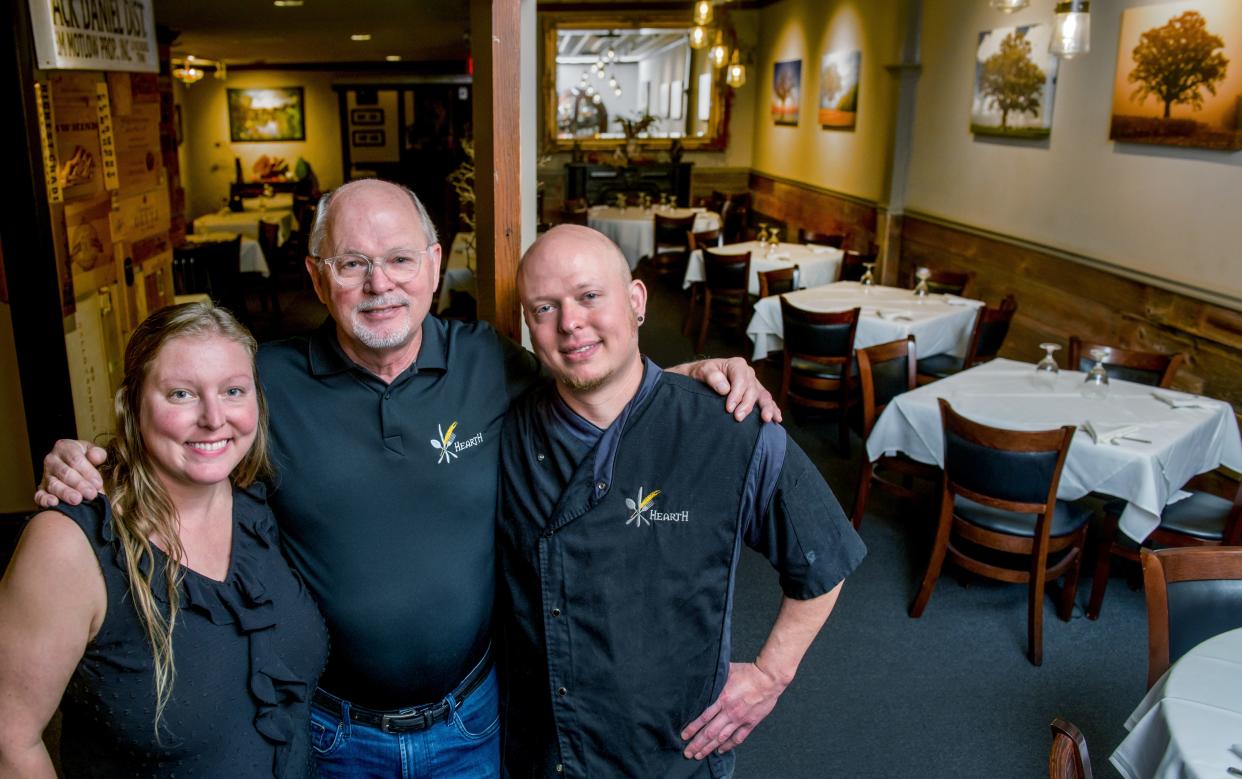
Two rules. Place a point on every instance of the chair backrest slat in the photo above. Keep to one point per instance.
(672, 230)
(1152, 368)
(885, 371)
(726, 272)
(818, 335)
(777, 282)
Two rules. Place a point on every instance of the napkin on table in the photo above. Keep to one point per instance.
(1105, 434)
(895, 316)
(1176, 402)
(954, 300)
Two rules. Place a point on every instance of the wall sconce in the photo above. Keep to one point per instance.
(719, 55)
(698, 36)
(702, 12)
(1071, 29)
(1009, 6)
(735, 76)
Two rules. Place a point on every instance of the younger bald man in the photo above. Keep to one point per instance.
(624, 503)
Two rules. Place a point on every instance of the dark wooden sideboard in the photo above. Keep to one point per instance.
(601, 183)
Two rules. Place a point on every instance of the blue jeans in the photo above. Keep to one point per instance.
(465, 745)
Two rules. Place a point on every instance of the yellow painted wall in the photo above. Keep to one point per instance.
(207, 154)
(854, 162)
(1168, 212)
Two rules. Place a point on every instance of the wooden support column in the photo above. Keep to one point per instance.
(495, 36)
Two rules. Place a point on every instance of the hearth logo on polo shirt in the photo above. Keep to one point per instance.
(642, 512)
(448, 444)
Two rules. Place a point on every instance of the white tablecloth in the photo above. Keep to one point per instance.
(1002, 393)
(252, 259)
(245, 222)
(888, 314)
(1187, 722)
(817, 265)
(277, 201)
(458, 269)
(633, 229)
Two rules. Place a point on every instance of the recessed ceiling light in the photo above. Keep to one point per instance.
(360, 36)
(393, 57)
(287, 3)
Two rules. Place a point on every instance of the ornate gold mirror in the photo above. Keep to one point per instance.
(607, 81)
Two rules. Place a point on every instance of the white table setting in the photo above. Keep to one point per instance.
(817, 265)
(252, 257)
(1137, 442)
(633, 227)
(941, 324)
(1189, 725)
(246, 223)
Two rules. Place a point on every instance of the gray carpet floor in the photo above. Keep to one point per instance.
(948, 695)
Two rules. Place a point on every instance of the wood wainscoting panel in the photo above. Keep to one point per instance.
(800, 205)
(706, 179)
(1059, 297)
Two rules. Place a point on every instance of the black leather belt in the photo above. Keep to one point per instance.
(414, 718)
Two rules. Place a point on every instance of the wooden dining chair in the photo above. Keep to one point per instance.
(835, 240)
(1000, 495)
(1068, 758)
(945, 282)
(1211, 516)
(986, 339)
(672, 245)
(1152, 368)
(1192, 595)
(703, 238)
(736, 217)
(818, 366)
(575, 212)
(724, 293)
(267, 287)
(884, 372)
(777, 282)
(852, 263)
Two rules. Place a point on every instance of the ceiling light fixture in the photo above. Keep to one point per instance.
(287, 3)
(1071, 29)
(393, 57)
(1009, 6)
(360, 36)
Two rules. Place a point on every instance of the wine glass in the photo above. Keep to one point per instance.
(868, 278)
(1095, 385)
(1046, 370)
(920, 289)
(762, 235)
(774, 237)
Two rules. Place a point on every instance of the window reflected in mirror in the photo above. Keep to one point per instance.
(644, 82)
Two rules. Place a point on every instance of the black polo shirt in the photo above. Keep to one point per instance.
(386, 494)
(618, 549)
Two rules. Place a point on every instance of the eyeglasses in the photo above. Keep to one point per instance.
(352, 269)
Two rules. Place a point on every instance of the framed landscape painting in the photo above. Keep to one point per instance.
(1179, 75)
(273, 114)
(1015, 80)
(786, 91)
(838, 89)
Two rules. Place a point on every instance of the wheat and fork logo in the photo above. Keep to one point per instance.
(639, 508)
(444, 442)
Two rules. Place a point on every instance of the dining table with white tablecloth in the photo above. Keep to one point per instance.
(246, 223)
(459, 269)
(817, 265)
(252, 258)
(1189, 725)
(633, 228)
(1138, 443)
(941, 324)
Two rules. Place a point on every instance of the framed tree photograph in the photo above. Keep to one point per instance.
(1015, 81)
(1179, 75)
(838, 89)
(786, 91)
(271, 114)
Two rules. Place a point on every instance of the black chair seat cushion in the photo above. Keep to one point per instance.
(1068, 517)
(1202, 515)
(940, 365)
(819, 369)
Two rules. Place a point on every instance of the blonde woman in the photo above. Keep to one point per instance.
(161, 617)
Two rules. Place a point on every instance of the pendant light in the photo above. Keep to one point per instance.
(702, 12)
(719, 55)
(1071, 29)
(735, 76)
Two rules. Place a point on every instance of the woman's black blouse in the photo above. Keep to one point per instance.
(247, 652)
